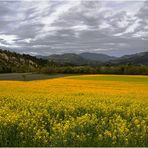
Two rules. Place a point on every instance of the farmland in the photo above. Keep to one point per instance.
(80, 110)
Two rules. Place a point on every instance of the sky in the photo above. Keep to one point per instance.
(45, 27)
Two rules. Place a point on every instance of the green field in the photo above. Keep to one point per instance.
(124, 78)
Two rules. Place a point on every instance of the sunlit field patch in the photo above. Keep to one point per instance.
(87, 110)
(124, 78)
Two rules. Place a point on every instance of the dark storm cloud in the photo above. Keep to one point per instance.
(47, 27)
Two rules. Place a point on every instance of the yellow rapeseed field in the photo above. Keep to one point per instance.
(74, 112)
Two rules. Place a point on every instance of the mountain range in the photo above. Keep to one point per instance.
(95, 59)
(134, 59)
(85, 58)
(15, 62)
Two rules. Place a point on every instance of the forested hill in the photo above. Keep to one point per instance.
(134, 59)
(14, 62)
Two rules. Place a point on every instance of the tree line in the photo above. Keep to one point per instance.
(121, 69)
(54, 69)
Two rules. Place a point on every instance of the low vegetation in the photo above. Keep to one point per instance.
(120, 69)
(110, 111)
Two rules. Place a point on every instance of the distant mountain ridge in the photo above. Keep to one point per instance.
(134, 59)
(97, 56)
(71, 59)
(87, 58)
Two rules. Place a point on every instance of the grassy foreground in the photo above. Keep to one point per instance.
(84, 110)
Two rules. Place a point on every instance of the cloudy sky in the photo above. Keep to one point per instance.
(45, 27)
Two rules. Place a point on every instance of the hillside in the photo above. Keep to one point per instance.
(86, 58)
(71, 59)
(14, 62)
(97, 57)
(134, 59)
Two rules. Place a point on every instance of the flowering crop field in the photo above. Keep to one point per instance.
(84, 110)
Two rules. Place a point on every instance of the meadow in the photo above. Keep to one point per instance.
(82, 110)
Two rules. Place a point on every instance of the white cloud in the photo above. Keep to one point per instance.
(104, 25)
(27, 40)
(141, 34)
(100, 49)
(124, 22)
(10, 39)
(31, 52)
(130, 29)
(59, 11)
(130, 6)
(80, 27)
(133, 27)
(48, 20)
